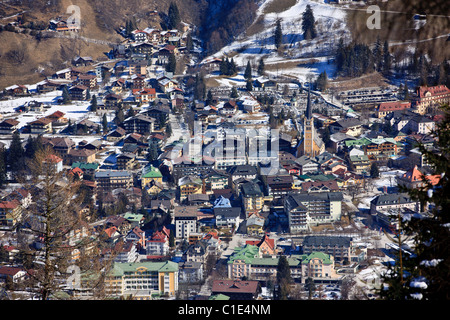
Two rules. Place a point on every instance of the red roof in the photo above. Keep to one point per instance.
(54, 159)
(9, 204)
(235, 286)
(10, 271)
(394, 106)
(415, 175)
(436, 90)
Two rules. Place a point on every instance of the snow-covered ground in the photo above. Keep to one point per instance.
(330, 24)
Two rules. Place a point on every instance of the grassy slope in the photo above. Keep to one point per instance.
(99, 19)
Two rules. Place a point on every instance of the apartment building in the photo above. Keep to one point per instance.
(306, 209)
(110, 180)
(143, 281)
(341, 248)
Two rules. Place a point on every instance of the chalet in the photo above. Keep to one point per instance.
(137, 67)
(266, 245)
(62, 25)
(68, 74)
(361, 163)
(58, 118)
(126, 161)
(17, 91)
(229, 108)
(153, 35)
(9, 126)
(78, 92)
(158, 244)
(139, 124)
(49, 85)
(142, 48)
(10, 214)
(40, 126)
(16, 274)
(197, 252)
(31, 106)
(165, 84)
(22, 195)
(61, 145)
(149, 174)
(212, 64)
(163, 54)
(54, 162)
(118, 86)
(137, 81)
(87, 126)
(82, 155)
(112, 101)
(278, 185)
(252, 197)
(139, 35)
(89, 169)
(116, 135)
(189, 185)
(87, 80)
(82, 61)
(320, 186)
(145, 95)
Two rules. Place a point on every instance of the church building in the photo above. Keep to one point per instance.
(311, 144)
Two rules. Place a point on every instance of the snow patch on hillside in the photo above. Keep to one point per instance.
(313, 56)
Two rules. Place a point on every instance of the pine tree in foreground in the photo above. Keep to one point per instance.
(425, 274)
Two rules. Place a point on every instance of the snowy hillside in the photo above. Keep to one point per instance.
(301, 57)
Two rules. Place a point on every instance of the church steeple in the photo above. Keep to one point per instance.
(308, 112)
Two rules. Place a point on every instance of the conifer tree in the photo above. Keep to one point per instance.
(261, 67)
(172, 63)
(374, 172)
(65, 95)
(308, 24)
(105, 123)
(16, 154)
(234, 94)
(387, 59)
(278, 35)
(3, 172)
(249, 85)
(425, 274)
(283, 278)
(174, 16)
(248, 71)
(93, 106)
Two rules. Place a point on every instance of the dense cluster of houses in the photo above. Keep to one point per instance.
(205, 195)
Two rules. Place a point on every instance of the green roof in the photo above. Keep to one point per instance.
(133, 216)
(358, 142)
(85, 166)
(246, 253)
(120, 269)
(219, 296)
(319, 255)
(151, 172)
(292, 261)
